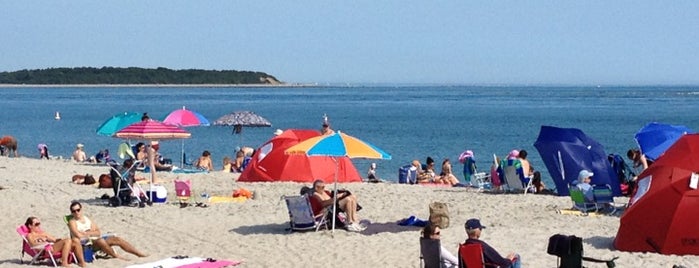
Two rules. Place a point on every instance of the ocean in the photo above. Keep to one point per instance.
(408, 122)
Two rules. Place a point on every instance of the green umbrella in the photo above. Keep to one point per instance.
(118, 122)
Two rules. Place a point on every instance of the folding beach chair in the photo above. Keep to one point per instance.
(430, 253)
(40, 252)
(511, 177)
(579, 202)
(604, 197)
(471, 256)
(301, 214)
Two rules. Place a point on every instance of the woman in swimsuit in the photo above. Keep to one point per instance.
(83, 228)
(37, 237)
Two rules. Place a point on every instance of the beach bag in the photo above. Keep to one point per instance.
(439, 214)
(105, 181)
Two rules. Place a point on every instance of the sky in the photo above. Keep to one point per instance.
(376, 42)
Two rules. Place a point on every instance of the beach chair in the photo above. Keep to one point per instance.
(579, 203)
(183, 190)
(40, 252)
(186, 162)
(301, 216)
(511, 175)
(471, 256)
(604, 198)
(89, 252)
(125, 188)
(430, 253)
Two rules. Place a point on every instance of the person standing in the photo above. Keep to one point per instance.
(467, 158)
(490, 255)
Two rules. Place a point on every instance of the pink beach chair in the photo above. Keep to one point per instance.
(40, 252)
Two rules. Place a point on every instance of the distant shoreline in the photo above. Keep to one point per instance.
(159, 85)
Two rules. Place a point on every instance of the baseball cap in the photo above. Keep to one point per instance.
(473, 224)
(584, 174)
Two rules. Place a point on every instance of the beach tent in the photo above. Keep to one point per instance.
(270, 163)
(662, 214)
(566, 151)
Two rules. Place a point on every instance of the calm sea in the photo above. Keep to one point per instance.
(407, 122)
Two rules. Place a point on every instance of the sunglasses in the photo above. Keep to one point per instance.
(37, 223)
(436, 233)
(75, 210)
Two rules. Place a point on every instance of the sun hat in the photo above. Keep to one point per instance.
(464, 155)
(473, 224)
(80, 145)
(153, 142)
(278, 132)
(584, 174)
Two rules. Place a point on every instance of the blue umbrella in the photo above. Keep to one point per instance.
(567, 151)
(655, 138)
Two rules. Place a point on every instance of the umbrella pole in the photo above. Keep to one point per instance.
(182, 156)
(334, 197)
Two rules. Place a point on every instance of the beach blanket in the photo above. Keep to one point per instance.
(186, 262)
(226, 199)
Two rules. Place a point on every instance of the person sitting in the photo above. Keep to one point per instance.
(447, 177)
(227, 164)
(429, 169)
(490, 255)
(346, 201)
(422, 176)
(432, 231)
(37, 237)
(238, 163)
(325, 129)
(79, 155)
(371, 174)
(81, 227)
(204, 162)
(583, 183)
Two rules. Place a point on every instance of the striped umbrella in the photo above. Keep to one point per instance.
(338, 145)
(152, 130)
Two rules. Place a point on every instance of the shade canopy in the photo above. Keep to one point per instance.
(152, 130)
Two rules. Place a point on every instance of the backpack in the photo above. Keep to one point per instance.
(569, 250)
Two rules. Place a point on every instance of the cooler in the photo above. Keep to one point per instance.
(159, 193)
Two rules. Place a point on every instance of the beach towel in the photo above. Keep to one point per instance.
(186, 262)
(209, 263)
(569, 211)
(226, 199)
(188, 171)
(412, 221)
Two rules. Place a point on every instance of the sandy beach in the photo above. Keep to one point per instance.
(254, 231)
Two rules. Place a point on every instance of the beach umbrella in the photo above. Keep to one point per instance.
(654, 138)
(185, 118)
(118, 122)
(240, 119)
(152, 130)
(661, 216)
(566, 151)
(336, 145)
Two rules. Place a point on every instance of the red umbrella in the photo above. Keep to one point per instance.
(152, 130)
(663, 213)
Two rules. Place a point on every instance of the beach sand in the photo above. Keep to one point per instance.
(255, 232)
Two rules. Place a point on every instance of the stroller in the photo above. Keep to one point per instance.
(124, 186)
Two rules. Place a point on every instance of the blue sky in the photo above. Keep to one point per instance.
(455, 42)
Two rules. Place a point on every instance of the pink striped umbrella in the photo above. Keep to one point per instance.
(152, 130)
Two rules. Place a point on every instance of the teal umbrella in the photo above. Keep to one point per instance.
(118, 122)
